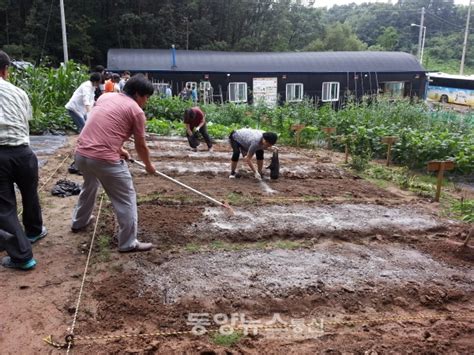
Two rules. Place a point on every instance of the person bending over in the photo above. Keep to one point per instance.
(195, 121)
(248, 141)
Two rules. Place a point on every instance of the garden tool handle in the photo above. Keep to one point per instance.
(185, 186)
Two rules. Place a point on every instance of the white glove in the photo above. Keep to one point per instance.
(258, 176)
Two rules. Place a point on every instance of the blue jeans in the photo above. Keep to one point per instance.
(79, 121)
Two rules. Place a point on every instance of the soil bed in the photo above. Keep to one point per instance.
(381, 269)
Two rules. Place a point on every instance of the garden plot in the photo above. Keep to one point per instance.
(179, 148)
(276, 273)
(306, 244)
(316, 220)
(290, 170)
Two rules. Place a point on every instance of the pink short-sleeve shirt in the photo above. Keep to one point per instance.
(114, 118)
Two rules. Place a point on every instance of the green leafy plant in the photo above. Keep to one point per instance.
(226, 340)
(463, 209)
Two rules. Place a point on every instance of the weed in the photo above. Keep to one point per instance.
(239, 199)
(103, 243)
(287, 244)
(226, 340)
(463, 210)
(192, 247)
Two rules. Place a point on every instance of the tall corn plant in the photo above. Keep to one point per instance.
(49, 88)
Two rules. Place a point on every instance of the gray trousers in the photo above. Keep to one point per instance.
(117, 182)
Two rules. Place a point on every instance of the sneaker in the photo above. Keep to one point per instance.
(234, 176)
(73, 170)
(82, 229)
(27, 265)
(140, 246)
(34, 239)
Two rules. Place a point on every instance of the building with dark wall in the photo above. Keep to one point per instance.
(275, 77)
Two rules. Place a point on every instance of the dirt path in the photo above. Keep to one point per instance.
(361, 269)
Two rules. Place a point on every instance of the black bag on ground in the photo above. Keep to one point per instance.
(274, 166)
(64, 188)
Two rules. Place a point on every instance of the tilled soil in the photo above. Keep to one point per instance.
(339, 264)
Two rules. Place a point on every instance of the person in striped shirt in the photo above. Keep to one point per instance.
(18, 165)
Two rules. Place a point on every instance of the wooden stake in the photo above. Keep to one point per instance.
(440, 167)
(471, 234)
(389, 140)
(440, 181)
(329, 131)
(297, 128)
(346, 140)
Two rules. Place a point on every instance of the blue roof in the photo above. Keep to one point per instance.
(160, 60)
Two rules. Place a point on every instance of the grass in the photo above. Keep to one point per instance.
(460, 209)
(192, 247)
(182, 198)
(219, 245)
(239, 199)
(103, 243)
(288, 244)
(422, 185)
(226, 340)
(149, 197)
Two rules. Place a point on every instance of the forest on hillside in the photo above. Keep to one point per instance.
(31, 29)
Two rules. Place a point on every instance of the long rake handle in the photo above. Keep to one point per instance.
(182, 185)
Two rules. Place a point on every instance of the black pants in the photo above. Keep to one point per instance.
(194, 141)
(237, 149)
(18, 165)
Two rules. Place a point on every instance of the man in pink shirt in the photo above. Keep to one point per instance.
(100, 157)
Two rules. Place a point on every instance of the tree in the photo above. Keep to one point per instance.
(388, 40)
(337, 38)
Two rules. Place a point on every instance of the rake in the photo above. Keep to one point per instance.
(209, 198)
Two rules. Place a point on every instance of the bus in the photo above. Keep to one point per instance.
(453, 89)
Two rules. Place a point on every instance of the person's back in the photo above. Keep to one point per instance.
(15, 111)
(18, 166)
(112, 121)
(247, 137)
(83, 96)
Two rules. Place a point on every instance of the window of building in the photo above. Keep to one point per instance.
(238, 92)
(191, 84)
(294, 92)
(160, 88)
(330, 91)
(394, 88)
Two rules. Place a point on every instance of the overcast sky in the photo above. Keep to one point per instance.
(330, 3)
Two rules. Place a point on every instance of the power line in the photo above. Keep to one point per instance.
(443, 20)
(47, 28)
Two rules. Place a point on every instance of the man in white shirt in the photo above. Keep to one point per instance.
(82, 101)
(18, 165)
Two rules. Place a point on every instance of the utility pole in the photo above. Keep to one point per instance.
(420, 35)
(466, 35)
(187, 33)
(63, 28)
